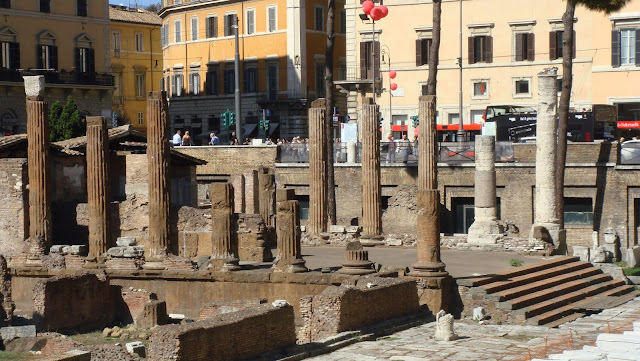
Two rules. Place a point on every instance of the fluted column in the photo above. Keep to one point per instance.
(428, 243)
(98, 198)
(39, 168)
(371, 188)
(158, 158)
(317, 169)
(224, 244)
(356, 260)
(288, 233)
(545, 220)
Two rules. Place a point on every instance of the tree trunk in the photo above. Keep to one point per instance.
(328, 84)
(435, 49)
(563, 106)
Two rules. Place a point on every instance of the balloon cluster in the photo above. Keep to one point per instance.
(376, 12)
(392, 75)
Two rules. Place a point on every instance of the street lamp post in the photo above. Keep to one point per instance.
(373, 13)
(460, 134)
(388, 53)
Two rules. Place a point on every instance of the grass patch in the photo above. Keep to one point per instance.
(92, 339)
(14, 356)
(515, 262)
(631, 271)
(622, 264)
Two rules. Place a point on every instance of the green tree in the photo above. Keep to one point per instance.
(65, 122)
(606, 6)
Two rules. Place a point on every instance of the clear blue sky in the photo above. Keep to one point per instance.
(141, 3)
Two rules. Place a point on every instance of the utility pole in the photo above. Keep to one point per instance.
(237, 92)
(460, 135)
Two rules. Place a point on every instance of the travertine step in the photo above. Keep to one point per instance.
(483, 280)
(556, 303)
(571, 317)
(550, 280)
(553, 291)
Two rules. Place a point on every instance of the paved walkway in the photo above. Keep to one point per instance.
(459, 263)
(491, 342)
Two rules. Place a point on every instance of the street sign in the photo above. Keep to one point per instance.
(335, 118)
(267, 113)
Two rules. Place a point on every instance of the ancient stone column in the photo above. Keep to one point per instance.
(371, 188)
(39, 168)
(239, 196)
(546, 225)
(266, 194)
(317, 222)
(98, 197)
(288, 233)
(356, 260)
(224, 244)
(428, 242)
(485, 228)
(158, 158)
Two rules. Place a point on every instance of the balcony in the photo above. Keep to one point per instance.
(59, 77)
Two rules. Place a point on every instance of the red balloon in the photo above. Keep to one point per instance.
(385, 10)
(393, 86)
(367, 6)
(376, 13)
(392, 74)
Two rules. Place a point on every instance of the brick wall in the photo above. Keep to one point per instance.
(213, 309)
(74, 302)
(14, 224)
(344, 308)
(231, 336)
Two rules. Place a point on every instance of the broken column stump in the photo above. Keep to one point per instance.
(266, 194)
(38, 160)
(224, 243)
(288, 233)
(356, 260)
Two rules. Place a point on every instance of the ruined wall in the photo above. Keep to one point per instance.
(73, 302)
(344, 308)
(221, 307)
(231, 336)
(14, 201)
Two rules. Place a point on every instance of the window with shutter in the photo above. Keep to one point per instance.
(343, 22)
(251, 23)
(271, 19)
(250, 79)
(628, 47)
(45, 6)
(194, 82)
(81, 7)
(177, 31)
(423, 48)
(319, 18)
(212, 27)
(229, 22)
(194, 28)
(140, 85)
(139, 37)
(524, 47)
(54, 57)
(229, 81)
(366, 48)
(272, 81)
(212, 81)
(10, 55)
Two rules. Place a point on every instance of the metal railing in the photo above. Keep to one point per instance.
(398, 152)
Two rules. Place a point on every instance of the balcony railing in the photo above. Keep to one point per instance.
(397, 153)
(59, 77)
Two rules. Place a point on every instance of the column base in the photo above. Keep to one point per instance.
(428, 269)
(155, 265)
(95, 262)
(550, 233)
(371, 240)
(357, 268)
(485, 232)
(290, 266)
(224, 264)
(33, 261)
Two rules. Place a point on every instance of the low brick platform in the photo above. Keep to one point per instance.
(232, 336)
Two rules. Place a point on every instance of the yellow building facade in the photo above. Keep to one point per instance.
(282, 47)
(505, 44)
(136, 62)
(67, 42)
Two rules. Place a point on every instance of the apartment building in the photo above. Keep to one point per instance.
(67, 41)
(136, 62)
(282, 54)
(505, 44)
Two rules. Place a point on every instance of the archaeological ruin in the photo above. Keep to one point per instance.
(199, 253)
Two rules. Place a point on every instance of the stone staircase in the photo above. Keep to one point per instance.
(558, 290)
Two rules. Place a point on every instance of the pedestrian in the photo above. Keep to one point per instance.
(213, 139)
(186, 140)
(233, 140)
(177, 138)
(404, 148)
(391, 151)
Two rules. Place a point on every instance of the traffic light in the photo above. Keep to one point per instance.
(225, 118)
(232, 119)
(380, 119)
(415, 121)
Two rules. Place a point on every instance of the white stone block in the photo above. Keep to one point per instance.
(582, 252)
(280, 303)
(78, 249)
(633, 256)
(34, 85)
(479, 314)
(133, 252)
(57, 248)
(137, 348)
(65, 250)
(126, 241)
(115, 251)
(13, 332)
(353, 229)
(336, 229)
(393, 242)
(303, 228)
